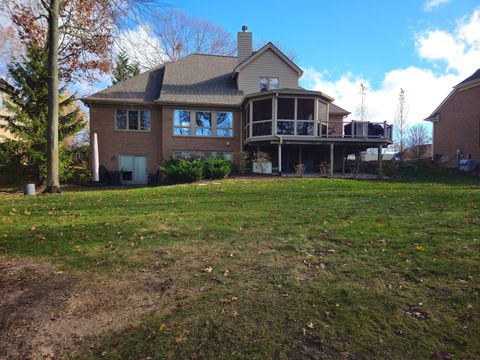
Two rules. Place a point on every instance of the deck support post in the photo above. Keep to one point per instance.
(343, 161)
(380, 156)
(331, 160)
(299, 155)
(280, 158)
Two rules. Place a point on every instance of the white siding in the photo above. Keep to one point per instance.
(267, 64)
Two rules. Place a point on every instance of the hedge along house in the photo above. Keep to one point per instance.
(207, 105)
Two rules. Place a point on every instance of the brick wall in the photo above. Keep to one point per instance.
(459, 126)
(158, 144)
(112, 142)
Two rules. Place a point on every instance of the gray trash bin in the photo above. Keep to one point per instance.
(29, 189)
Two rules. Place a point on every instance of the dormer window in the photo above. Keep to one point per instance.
(268, 83)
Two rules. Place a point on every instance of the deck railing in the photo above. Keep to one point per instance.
(355, 129)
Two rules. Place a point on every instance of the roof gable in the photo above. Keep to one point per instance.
(257, 54)
(471, 81)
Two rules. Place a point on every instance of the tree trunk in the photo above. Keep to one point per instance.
(53, 184)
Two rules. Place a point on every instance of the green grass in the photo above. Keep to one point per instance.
(316, 267)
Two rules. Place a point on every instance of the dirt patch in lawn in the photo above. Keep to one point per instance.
(44, 312)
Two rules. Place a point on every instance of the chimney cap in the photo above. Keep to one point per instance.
(244, 28)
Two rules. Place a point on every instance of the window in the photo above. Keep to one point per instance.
(202, 123)
(121, 119)
(133, 120)
(268, 83)
(181, 122)
(200, 154)
(145, 120)
(224, 124)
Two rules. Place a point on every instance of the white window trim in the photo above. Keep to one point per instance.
(138, 120)
(193, 124)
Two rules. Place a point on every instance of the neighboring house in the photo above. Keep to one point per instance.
(3, 111)
(204, 105)
(456, 123)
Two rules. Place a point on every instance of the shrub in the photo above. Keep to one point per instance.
(183, 170)
(216, 167)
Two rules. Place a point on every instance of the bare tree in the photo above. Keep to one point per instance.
(362, 108)
(171, 35)
(400, 124)
(417, 138)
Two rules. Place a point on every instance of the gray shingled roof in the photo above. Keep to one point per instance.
(473, 77)
(201, 79)
(195, 80)
(143, 88)
(337, 110)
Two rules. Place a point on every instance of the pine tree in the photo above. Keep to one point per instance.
(28, 104)
(124, 68)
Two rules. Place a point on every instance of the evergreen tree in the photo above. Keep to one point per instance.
(27, 152)
(124, 68)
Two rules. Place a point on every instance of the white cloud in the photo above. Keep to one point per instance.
(432, 4)
(457, 51)
(141, 45)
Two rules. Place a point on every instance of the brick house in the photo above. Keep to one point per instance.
(204, 105)
(456, 123)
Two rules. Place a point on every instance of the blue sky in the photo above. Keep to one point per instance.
(423, 46)
(367, 38)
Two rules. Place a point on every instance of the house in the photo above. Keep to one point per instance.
(4, 93)
(204, 105)
(456, 123)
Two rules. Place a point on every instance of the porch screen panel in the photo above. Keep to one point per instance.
(262, 110)
(262, 117)
(305, 111)
(286, 116)
(262, 129)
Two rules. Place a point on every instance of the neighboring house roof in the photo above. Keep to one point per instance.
(201, 79)
(266, 47)
(472, 80)
(144, 88)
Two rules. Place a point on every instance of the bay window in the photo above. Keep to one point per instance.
(132, 120)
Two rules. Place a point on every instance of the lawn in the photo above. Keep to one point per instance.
(261, 268)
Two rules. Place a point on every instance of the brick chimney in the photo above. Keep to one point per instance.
(244, 44)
